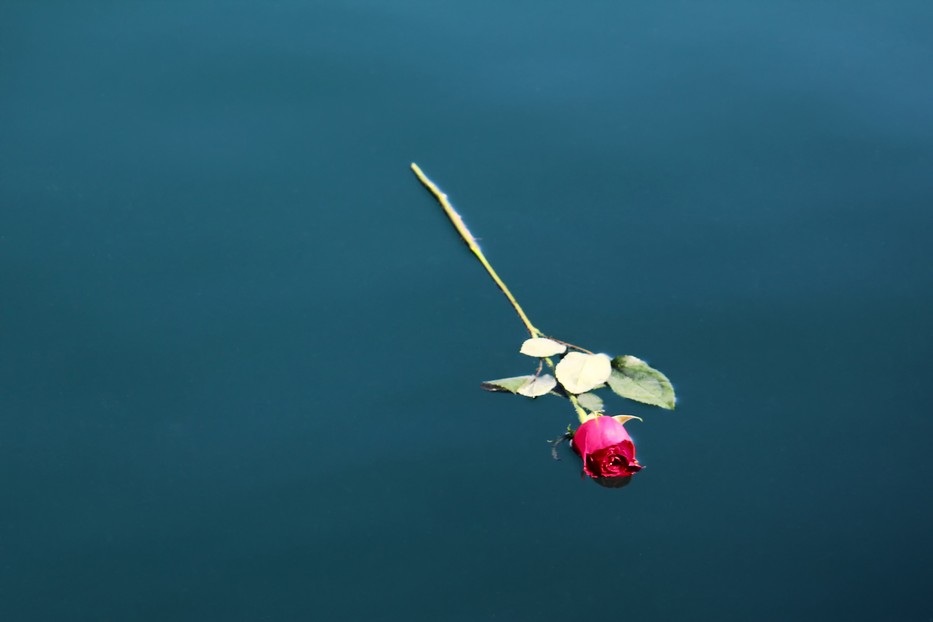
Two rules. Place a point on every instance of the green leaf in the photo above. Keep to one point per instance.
(506, 385)
(538, 386)
(541, 347)
(626, 418)
(579, 372)
(633, 378)
(591, 401)
(529, 386)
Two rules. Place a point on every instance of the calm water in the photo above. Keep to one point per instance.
(240, 347)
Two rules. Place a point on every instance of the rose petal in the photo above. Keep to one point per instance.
(599, 433)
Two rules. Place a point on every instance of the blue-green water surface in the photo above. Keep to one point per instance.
(240, 346)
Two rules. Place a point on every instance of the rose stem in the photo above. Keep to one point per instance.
(474, 247)
(470, 241)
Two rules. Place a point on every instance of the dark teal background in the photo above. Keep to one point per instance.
(240, 346)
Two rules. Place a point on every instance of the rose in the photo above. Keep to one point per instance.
(607, 451)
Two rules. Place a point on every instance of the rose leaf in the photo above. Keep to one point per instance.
(538, 386)
(579, 372)
(506, 385)
(591, 401)
(626, 418)
(541, 347)
(529, 386)
(636, 380)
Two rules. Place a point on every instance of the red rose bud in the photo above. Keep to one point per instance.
(607, 451)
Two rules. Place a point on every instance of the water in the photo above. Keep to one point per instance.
(240, 347)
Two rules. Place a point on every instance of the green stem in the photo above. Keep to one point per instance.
(582, 415)
(474, 247)
(470, 241)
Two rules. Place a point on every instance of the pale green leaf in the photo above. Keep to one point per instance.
(633, 378)
(591, 401)
(541, 347)
(626, 418)
(529, 386)
(509, 385)
(538, 386)
(579, 372)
